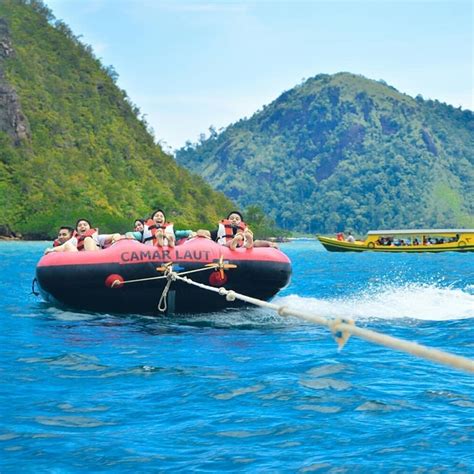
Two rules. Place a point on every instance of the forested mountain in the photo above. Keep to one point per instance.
(342, 152)
(71, 142)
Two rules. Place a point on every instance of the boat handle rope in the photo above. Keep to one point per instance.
(33, 287)
(163, 303)
(341, 328)
(167, 269)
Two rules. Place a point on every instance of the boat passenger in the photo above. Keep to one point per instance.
(340, 236)
(157, 231)
(65, 233)
(233, 232)
(88, 238)
(138, 229)
(350, 238)
(139, 225)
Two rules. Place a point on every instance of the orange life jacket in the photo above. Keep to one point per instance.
(81, 238)
(151, 227)
(225, 232)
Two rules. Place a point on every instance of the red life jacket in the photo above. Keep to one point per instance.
(81, 238)
(226, 230)
(151, 227)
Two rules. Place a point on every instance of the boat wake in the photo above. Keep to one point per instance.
(413, 301)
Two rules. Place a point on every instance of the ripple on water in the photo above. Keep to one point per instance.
(67, 407)
(282, 395)
(443, 394)
(64, 315)
(319, 408)
(318, 466)
(238, 392)
(325, 384)
(11, 436)
(71, 361)
(377, 406)
(463, 403)
(14, 448)
(326, 370)
(244, 433)
(8, 436)
(71, 421)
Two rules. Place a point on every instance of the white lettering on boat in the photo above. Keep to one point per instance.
(163, 256)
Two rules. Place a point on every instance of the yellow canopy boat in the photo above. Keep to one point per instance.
(423, 240)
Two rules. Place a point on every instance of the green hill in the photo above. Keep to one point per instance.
(343, 152)
(71, 142)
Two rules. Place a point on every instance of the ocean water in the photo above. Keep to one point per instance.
(243, 390)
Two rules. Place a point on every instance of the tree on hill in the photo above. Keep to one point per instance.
(73, 145)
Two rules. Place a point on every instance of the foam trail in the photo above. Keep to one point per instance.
(428, 303)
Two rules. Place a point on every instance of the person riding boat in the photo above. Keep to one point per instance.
(157, 231)
(87, 238)
(233, 232)
(65, 233)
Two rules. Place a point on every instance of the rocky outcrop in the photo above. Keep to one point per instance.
(7, 234)
(12, 119)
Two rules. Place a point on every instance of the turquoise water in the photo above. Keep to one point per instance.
(243, 390)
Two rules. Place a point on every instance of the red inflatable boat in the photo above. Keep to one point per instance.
(123, 278)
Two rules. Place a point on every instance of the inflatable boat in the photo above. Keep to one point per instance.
(130, 277)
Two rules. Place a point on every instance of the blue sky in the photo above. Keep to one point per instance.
(192, 64)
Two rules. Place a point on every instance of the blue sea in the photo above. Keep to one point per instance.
(244, 390)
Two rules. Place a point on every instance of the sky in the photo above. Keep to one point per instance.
(189, 65)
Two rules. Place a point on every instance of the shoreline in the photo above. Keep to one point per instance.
(18, 239)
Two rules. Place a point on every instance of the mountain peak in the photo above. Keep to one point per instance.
(343, 151)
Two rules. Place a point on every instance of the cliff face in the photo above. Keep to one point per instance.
(342, 152)
(73, 145)
(12, 119)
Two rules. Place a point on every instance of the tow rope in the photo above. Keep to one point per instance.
(341, 328)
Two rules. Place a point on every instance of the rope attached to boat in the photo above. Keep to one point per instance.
(163, 303)
(168, 273)
(341, 328)
(167, 268)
